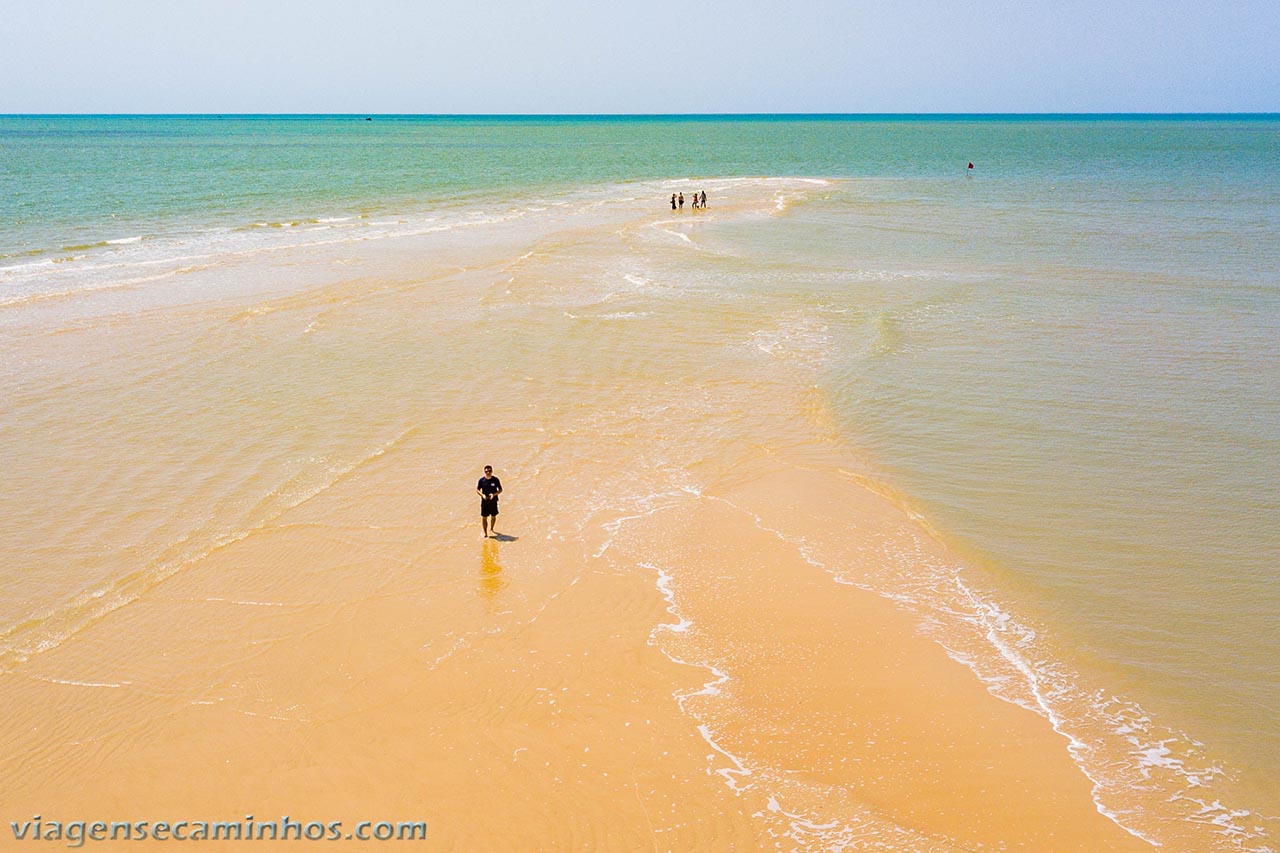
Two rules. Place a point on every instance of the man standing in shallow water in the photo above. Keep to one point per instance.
(488, 489)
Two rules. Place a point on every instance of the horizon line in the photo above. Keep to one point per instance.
(586, 115)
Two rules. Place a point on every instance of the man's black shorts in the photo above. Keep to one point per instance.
(488, 506)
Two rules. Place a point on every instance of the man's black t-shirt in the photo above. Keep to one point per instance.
(489, 486)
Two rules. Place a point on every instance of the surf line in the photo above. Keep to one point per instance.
(732, 775)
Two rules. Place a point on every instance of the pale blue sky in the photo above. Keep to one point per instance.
(651, 56)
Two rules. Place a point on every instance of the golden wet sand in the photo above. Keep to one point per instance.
(563, 725)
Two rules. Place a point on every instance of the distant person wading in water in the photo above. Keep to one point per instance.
(488, 489)
(699, 201)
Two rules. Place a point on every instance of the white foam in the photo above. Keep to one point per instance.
(682, 236)
(729, 774)
(733, 774)
(120, 257)
(664, 587)
(248, 603)
(1048, 689)
(73, 683)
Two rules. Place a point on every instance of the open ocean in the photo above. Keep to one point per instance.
(1065, 361)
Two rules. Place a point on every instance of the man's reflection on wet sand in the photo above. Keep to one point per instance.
(491, 580)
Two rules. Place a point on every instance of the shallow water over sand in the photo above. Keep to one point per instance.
(240, 535)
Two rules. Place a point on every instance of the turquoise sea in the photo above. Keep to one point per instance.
(1066, 360)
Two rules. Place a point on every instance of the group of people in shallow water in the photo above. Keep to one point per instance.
(699, 201)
